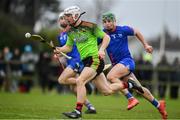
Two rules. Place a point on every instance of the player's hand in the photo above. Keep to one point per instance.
(101, 54)
(55, 56)
(148, 48)
(57, 50)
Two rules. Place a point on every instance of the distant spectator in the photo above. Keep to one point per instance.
(7, 57)
(163, 76)
(55, 71)
(2, 69)
(175, 78)
(43, 67)
(144, 70)
(138, 71)
(16, 69)
(29, 60)
(7, 54)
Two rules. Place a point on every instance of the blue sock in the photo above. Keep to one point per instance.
(128, 95)
(155, 103)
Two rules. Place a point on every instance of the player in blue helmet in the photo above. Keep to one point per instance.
(74, 65)
(123, 63)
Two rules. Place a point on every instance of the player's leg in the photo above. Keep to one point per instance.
(106, 87)
(86, 75)
(103, 85)
(132, 101)
(66, 76)
(93, 67)
(119, 71)
(122, 69)
(90, 108)
(70, 77)
(160, 105)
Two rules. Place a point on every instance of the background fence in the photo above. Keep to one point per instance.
(161, 80)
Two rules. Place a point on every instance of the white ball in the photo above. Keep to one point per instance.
(27, 35)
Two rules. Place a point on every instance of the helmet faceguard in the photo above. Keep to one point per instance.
(74, 11)
(108, 16)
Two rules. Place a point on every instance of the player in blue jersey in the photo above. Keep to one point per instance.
(123, 63)
(74, 65)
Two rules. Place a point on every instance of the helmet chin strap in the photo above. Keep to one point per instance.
(72, 25)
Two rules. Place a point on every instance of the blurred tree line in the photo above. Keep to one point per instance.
(20, 16)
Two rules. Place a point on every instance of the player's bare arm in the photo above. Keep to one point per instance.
(105, 43)
(64, 49)
(140, 37)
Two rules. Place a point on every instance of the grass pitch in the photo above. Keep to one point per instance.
(36, 105)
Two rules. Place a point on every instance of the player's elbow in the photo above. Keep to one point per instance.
(137, 32)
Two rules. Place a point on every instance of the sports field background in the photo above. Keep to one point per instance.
(36, 105)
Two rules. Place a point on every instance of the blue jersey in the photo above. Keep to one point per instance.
(62, 38)
(118, 46)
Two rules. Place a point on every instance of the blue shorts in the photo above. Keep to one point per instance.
(129, 63)
(76, 65)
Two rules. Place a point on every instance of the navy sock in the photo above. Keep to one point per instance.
(89, 105)
(155, 103)
(129, 95)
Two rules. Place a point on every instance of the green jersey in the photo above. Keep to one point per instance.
(85, 36)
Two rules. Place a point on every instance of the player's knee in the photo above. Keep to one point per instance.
(79, 82)
(110, 77)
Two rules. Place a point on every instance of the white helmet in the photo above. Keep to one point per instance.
(73, 10)
(60, 17)
(61, 14)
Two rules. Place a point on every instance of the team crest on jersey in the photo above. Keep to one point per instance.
(63, 37)
(128, 66)
(119, 35)
(79, 36)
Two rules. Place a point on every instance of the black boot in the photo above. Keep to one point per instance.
(74, 114)
(90, 111)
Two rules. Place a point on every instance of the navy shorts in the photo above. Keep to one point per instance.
(76, 65)
(129, 63)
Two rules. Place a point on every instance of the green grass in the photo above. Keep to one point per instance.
(50, 106)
